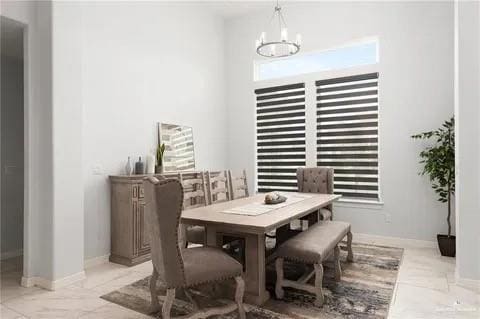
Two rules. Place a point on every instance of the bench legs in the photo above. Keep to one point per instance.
(318, 284)
(349, 247)
(301, 283)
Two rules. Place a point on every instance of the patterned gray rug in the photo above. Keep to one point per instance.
(365, 290)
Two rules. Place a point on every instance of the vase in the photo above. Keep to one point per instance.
(128, 167)
(150, 164)
(158, 169)
(139, 167)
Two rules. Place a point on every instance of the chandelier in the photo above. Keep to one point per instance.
(280, 47)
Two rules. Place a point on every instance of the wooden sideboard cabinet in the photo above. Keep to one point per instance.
(129, 239)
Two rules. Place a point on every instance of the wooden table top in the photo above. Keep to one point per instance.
(212, 214)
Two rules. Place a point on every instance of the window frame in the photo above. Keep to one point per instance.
(366, 40)
(311, 120)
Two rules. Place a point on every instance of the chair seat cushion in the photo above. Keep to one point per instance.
(316, 243)
(208, 264)
(196, 234)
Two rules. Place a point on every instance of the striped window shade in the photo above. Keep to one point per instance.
(347, 133)
(280, 136)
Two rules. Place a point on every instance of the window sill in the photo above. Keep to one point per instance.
(364, 204)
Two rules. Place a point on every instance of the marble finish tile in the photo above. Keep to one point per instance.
(144, 268)
(421, 277)
(420, 302)
(101, 274)
(10, 286)
(120, 282)
(7, 313)
(70, 302)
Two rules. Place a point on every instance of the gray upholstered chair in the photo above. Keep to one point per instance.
(179, 267)
(310, 180)
(317, 180)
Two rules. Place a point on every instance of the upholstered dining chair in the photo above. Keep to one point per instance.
(178, 267)
(310, 180)
(238, 184)
(317, 180)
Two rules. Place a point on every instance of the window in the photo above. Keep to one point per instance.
(339, 58)
(347, 133)
(280, 136)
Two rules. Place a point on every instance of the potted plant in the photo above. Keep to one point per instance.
(159, 158)
(439, 165)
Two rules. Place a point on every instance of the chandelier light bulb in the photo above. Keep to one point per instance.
(263, 37)
(298, 40)
(284, 35)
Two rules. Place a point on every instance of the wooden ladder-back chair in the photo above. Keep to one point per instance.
(195, 195)
(218, 187)
(238, 185)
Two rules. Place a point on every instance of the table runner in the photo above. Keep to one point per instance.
(259, 208)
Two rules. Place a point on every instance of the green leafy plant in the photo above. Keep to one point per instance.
(439, 163)
(159, 155)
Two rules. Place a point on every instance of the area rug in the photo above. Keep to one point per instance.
(365, 290)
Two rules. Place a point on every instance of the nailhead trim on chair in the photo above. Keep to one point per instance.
(179, 253)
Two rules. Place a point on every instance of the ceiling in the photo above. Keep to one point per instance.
(232, 8)
(11, 34)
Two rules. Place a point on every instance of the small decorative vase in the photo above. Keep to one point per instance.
(128, 167)
(158, 169)
(139, 167)
(150, 164)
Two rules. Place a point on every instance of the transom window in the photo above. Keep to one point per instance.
(364, 53)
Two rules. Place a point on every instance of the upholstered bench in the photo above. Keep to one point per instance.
(313, 246)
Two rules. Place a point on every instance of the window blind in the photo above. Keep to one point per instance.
(280, 136)
(347, 133)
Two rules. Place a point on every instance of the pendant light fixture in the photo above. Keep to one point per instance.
(280, 46)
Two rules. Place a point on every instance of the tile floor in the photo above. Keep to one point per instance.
(425, 289)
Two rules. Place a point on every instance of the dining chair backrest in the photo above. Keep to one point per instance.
(194, 189)
(315, 180)
(238, 184)
(163, 208)
(218, 187)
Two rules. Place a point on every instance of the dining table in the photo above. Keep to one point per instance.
(251, 219)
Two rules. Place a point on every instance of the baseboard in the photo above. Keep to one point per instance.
(394, 241)
(11, 254)
(471, 284)
(96, 261)
(52, 284)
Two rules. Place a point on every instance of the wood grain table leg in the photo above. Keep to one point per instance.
(256, 292)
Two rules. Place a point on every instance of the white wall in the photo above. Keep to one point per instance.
(145, 63)
(38, 223)
(416, 94)
(12, 155)
(67, 139)
(468, 140)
